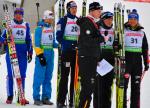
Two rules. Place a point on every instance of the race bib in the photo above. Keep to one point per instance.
(19, 33)
(71, 30)
(47, 38)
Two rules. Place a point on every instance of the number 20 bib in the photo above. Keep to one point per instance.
(71, 30)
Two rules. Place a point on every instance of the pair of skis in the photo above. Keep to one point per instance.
(61, 10)
(13, 57)
(119, 54)
(77, 84)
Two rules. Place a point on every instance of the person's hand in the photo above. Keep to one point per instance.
(116, 46)
(146, 67)
(42, 59)
(29, 58)
(8, 39)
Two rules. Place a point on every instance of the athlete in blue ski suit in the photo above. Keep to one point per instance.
(44, 62)
(22, 38)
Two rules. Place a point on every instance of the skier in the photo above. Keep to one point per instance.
(102, 94)
(44, 62)
(67, 34)
(22, 38)
(89, 52)
(136, 47)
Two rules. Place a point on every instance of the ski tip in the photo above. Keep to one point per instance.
(123, 7)
(38, 4)
(14, 4)
(4, 7)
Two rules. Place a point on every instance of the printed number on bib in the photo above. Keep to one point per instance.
(74, 29)
(20, 32)
(134, 40)
(50, 37)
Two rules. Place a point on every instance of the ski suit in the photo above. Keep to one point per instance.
(136, 47)
(44, 43)
(89, 55)
(102, 94)
(67, 36)
(22, 38)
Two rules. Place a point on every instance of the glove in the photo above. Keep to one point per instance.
(116, 46)
(29, 58)
(146, 67)
(42, 59)
(8, 40)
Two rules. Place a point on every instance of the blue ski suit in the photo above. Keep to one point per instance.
(44, 42)
(22, 38)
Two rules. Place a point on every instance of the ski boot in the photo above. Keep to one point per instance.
(47, 102)
(38, 102)
(23, 101)
(9, 100)
(60, 105)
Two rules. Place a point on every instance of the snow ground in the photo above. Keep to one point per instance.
(145, 88)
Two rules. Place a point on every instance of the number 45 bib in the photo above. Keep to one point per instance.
(19, 32)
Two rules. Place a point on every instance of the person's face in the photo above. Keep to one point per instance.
(18, 17)
(49, 21)
(96, 13)
(73, 10)
(108, 22)
(133, 22)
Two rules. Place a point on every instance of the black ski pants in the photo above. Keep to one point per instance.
(103, 84)
(134, 68)
(102, 94)
(67, 66)
(87, 72)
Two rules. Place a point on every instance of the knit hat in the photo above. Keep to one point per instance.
(70, 5)
(19, 11)
(94, 6)
(133, 14)
(106, 15)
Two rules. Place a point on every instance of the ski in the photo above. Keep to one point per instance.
(61, 9)
(13, 56)
(77, 85)
(84, 7)
(120, 54)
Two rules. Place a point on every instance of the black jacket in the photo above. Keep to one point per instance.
(89, 38)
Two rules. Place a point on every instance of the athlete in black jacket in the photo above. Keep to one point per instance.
(102, 95)
(136, 47)
(89, 52)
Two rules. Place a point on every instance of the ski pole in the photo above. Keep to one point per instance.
(128, 11)
(38, 5)
(85, 105)
(14, 6)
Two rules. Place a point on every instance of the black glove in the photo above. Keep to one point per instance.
(116, 46)
(8, 39)
(146, 67)
(42, 60)
(29, 58)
